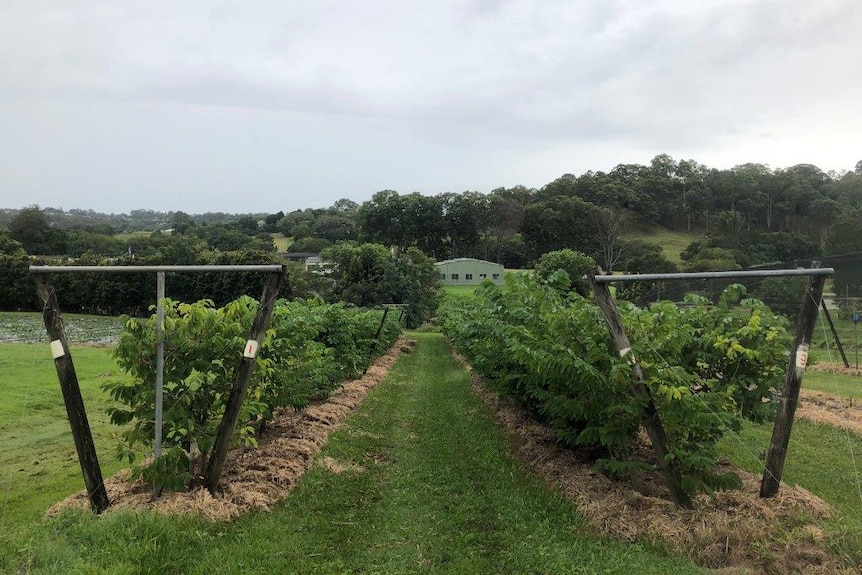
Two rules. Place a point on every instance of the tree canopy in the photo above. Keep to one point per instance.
(747, 215)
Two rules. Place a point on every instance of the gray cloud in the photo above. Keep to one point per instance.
(270, 105)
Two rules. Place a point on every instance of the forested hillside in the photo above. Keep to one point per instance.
(736, 218)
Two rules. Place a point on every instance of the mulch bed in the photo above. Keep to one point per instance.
(734, 531)
(820, 407)
(259, 477)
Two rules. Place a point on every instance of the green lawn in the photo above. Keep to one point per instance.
(281, 242)
(845, 386)
(432, 490)
(469, 291)
(38, 463)
(429, 487)
(126, 236)
(826, 349)
(672, 242)
(459, 291)
(826, 461)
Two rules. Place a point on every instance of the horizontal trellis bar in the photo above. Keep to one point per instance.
(715, 275)
(137, 269)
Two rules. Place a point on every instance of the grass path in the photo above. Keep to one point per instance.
(418, 481)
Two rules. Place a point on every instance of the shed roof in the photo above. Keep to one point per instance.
(452, 261)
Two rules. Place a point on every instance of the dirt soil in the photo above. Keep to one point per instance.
(256, 478)
(731, 531)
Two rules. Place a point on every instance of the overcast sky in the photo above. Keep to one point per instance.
(267, 105)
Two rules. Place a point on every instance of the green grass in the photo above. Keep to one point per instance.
(38, 463)
(469, 291)
(672, 242)
(839, 385)
(459, 291)
(825, 347)
(826, 461)
(281, 242)
(433, 491)
(126, 236)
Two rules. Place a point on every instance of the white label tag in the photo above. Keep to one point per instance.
(57, 349)
(250, 350)
(627, 351)
(802, 356)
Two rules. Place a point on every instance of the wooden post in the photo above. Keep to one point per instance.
(834, 333)
(72, 395)
(792, 383)
(376, 337)
(246, 368)
(382, 322)
(649, 415)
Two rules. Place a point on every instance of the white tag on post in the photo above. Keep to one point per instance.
(250, 350)
(802, 356)
(57, 349)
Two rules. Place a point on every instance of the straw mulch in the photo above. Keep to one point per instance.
(733, 531)
(256, 478)
(843, 412)
(834, 368)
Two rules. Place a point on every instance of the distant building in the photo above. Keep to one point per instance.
(468, 272)
(311, 260)
(318, 266)
(299, 256)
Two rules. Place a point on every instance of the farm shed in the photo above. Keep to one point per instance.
(468, 272)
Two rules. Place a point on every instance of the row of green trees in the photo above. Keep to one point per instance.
(33, 230)
(739, 209)
(745, 205)
(678, 194)
(365, 275)
(309, 349)
(707, 366)
(135, 221)
(361, 274)
(130, 293)
(750, 215)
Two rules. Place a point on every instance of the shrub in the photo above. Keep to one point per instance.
(707, 366)
(309, 348)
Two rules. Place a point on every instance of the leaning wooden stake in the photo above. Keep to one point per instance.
(376, 337)
(649, 415)
(382, 323)
(246, 368)
(72, 395)
(792, 383)
(828, 317)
